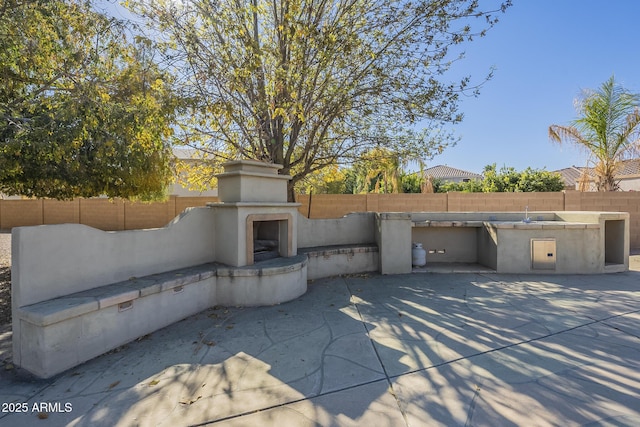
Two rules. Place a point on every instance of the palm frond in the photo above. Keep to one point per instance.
(608, 127)
(569, 134)
(629, 136)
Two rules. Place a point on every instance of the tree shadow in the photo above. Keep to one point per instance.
(226, 362)
(431, 349)
(504, 349)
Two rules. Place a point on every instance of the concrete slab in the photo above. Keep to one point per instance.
(414, 349)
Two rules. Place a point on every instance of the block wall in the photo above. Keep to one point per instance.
(103, 214)
(107, 214)
(331, 206)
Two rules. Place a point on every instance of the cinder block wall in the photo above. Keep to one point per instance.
(16, 213)
(335, 206)
(411, 202)
(103, 214)
(148, 215)
(120, 215)
(60, 212)
(507, 202)
(332, 205)
(616, 202)
(338, 205)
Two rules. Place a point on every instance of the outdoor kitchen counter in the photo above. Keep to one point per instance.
(533, 225)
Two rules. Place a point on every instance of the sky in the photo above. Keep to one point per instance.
(545, 52)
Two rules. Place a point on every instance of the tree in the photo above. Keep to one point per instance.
(83, 111)
(411, 182)
(472, 186)
(539, 180)
(507, 180)
(377, 171)
(330, 180)
(608, 128)
(311, 83)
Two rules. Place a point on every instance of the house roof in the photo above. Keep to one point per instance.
(444, 172)
(189, 153)
(184, 153)
(571, 175)
(629, 167)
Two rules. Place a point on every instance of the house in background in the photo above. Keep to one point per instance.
(628, 177)
(190, 158)
(572, 175)
(448, 174)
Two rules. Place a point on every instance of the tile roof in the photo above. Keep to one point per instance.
(571, 175)
(444, 172)
(629, 167)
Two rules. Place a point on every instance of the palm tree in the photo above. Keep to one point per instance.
(608, 127)
(381, 168)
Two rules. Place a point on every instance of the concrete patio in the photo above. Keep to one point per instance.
(417, 349)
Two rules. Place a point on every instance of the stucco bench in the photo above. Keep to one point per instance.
(326, 261)
(122, 294)
(61, 333)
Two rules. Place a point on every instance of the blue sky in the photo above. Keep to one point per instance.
(544, 52)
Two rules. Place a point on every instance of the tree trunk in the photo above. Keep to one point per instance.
(291, 194)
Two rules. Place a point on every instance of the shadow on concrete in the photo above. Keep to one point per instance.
(227, 362)
(419, 349)
(499, 350)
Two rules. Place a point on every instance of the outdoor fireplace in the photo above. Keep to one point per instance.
(254, 221)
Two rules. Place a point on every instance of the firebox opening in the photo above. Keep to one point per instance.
(269, 235)
(266, 240)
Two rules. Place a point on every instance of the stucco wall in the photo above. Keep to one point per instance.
(577, 250)
(82, 257)
(356, 228)
(448, 244)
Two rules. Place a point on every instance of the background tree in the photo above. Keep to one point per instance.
(608, 128)
(506, 180)
(372, 176)
(510, 180)
(83, 111)
(412, 182)
(377, 171)
(330, 180)
(472, 186)
(308, 84)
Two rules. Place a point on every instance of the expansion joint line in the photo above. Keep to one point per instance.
(505, 347)
(472, 406)
(375, 349)
(389, 378)
(604, 322)
(294, 401)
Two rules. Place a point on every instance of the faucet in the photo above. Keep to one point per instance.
(526, 215)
